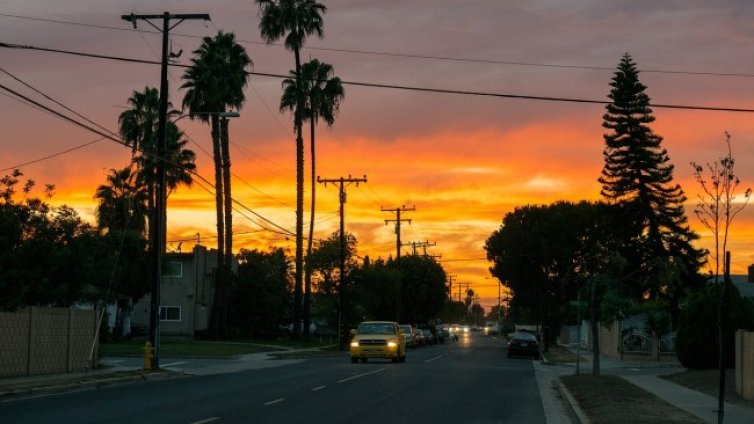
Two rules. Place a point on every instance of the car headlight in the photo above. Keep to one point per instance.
(354, 344)
(392, 344)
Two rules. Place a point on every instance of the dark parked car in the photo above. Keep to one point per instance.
(523, 344)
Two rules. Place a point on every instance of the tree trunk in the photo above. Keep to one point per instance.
(228, 212)
(721, 324)
(297, 290)
(217, 323)
(594, 328)
(310, 241)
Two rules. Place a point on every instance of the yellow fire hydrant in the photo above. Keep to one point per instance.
(148, 356)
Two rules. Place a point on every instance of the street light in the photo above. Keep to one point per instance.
(228, 114)
(161, 212)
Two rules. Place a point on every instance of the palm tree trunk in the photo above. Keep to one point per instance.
(299, 200)
(225, 147)
(308, 275)
(217, 324)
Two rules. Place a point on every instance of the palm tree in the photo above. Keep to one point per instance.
(215, 82)
(294, 20)
(180, 164)
(323, 94)
(138, 128)
(122, 202)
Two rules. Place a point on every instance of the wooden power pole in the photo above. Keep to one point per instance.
(398, 220)
(342, 183)
(158, 240)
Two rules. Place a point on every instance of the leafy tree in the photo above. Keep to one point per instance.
(477, 314)
(698, 331)
(323, 94)
(638, 174)
(376, 290)
(325, 262)
(50, 257)
(214, 82)
(453, 311)
(294, 20)
(537, 252)
(422, 288)
(261, 297)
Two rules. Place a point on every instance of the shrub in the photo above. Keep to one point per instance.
(697, 343)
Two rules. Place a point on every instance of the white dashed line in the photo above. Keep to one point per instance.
(433, 359)
(360, 375)
(318, 388)
(173, 364)
(272, 402)
(208, 420)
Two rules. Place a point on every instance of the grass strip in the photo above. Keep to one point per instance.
(609, 399)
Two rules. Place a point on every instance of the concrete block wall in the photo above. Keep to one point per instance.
(14, 344)
(46, 340)
(82, 331)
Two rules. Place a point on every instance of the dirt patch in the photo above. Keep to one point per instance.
(560, 355)
(610, 399)
(707, 381)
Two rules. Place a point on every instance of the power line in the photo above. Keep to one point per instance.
(407, 87)
(408, 55)
(53, 155)
(111, 138)
(108, 136)
(29, 86)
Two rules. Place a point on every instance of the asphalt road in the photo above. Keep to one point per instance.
(469, 381)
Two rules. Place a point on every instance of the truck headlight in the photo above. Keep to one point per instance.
(392, 344)
(354, 344)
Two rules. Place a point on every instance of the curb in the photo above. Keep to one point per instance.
(75, 385)
(583, 419)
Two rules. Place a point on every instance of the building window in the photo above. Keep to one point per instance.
(170, 313)
(172, 269)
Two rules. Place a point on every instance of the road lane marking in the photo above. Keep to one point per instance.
(208, 420)
(360, 375)
(272, 402)
(433, 359)
(173, 364)
(318, 388)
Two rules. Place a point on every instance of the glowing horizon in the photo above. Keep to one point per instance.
(463, 161)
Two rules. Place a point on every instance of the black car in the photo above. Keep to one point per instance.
(523, 344)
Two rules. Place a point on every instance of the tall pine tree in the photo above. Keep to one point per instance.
(638, 174)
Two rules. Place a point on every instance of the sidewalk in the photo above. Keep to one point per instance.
(125, 370)
(646, 375)
(57, 383)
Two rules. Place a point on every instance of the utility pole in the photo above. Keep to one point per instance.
(416, 244)
(398, 220)
(342, 183)
(450, 284)
(459, 290)
(159, 237)
(427, 244)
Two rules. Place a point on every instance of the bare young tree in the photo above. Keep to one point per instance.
(717, 207)
(716, 210)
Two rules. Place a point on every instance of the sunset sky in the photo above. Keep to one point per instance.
(463, 161)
